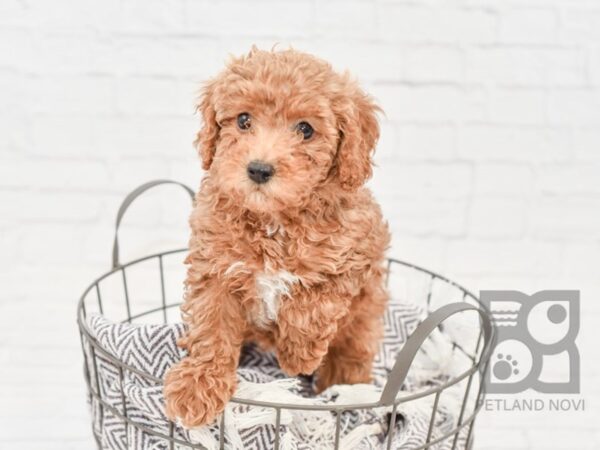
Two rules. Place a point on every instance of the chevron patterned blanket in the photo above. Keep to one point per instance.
(152, 349)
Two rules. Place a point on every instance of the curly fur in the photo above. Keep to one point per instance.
(295, 264)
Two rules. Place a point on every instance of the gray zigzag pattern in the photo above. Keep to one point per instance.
(153, 349)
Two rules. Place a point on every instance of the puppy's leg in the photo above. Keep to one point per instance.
(306, 325)
(350, 356)
(199, 386)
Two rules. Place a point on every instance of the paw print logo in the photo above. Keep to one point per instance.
(536, 336)
(511, 362)
(505, 367)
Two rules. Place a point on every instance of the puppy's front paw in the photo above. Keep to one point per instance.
(337, 370)
(294, 366)
(303, 359)
(197, 393)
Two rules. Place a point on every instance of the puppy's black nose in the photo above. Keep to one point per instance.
(260, 172)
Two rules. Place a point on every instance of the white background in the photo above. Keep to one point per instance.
(488, 165)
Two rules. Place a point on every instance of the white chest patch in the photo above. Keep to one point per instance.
(270, 289)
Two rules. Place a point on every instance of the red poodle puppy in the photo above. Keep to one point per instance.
(287, 246)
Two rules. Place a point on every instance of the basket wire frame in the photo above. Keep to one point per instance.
(92, 299)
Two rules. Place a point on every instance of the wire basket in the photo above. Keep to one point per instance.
(149, 289)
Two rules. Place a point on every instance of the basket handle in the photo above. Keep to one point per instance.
(412, 345)
(128, 200)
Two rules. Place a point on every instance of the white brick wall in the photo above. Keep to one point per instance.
(488, 169)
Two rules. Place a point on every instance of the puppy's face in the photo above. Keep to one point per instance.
(280, 125)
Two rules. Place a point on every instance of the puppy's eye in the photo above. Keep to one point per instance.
(244, 121)
(305, 129)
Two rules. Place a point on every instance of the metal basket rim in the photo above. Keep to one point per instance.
(477, 365)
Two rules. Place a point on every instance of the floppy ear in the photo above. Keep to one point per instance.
(359, 132)
(206, 138)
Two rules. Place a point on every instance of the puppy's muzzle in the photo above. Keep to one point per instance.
(260, 172)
